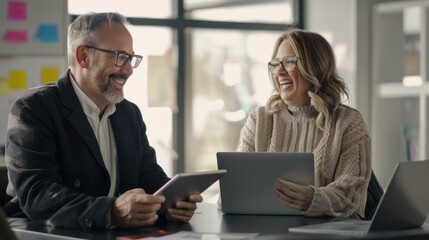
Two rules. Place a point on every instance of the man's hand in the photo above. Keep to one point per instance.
(294, 195)
(135, 208)
(183, 211)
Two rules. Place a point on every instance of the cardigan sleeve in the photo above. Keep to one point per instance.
(349, 161)
(246, 142)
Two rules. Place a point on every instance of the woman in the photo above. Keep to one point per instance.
(305, 114)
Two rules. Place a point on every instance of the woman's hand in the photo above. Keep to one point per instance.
(294, 195)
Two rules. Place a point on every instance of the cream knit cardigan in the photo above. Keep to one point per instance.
(342, 154)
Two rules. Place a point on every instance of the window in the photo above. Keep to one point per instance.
(129, 8)
(241, 11)
(204, 69)
(228, 78)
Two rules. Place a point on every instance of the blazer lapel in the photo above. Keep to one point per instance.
(77, 118)
(126, 148)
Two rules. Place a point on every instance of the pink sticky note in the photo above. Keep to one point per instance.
(17, 11)
(16, 36)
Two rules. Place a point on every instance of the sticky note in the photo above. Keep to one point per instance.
(47, 33)
(16, 36)
(49, 74)
(4, 86)
(17, 79)
(17, 11)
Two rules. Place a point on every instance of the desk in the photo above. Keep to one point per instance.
(208, 219)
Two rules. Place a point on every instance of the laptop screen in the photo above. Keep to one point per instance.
(249, 186)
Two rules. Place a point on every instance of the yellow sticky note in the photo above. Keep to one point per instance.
(4, 86)
(17, 79)
(49, 74)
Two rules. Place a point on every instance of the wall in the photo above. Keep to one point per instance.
(349, 23)
(336, 21)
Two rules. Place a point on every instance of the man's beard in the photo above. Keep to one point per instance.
(110, 95)
(108, 92)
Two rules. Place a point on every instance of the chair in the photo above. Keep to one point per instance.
(3, 185)
(375, 192)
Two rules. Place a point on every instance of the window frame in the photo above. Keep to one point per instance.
(179, 23)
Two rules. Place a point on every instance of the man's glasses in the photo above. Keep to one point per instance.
(288, 63)
(121, 57)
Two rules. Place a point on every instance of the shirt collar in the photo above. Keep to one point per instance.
(88, 106)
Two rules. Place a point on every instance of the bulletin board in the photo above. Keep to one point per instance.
(33, 49)
(33, 27)
(19, 74)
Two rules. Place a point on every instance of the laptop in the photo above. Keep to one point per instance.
(249, 186)
(404, 205)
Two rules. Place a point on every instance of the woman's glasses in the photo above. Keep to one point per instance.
(288, 63)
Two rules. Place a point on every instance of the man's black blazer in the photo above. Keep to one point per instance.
(55, 164)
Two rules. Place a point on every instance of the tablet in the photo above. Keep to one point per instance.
(184, 184)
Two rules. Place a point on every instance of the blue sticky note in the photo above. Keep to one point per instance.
(48, 33)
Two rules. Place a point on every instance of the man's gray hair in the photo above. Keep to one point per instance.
(85, 29)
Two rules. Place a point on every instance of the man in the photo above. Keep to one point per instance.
(77, 151)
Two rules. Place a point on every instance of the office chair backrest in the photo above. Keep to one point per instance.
(3, 184)
(374, 194)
